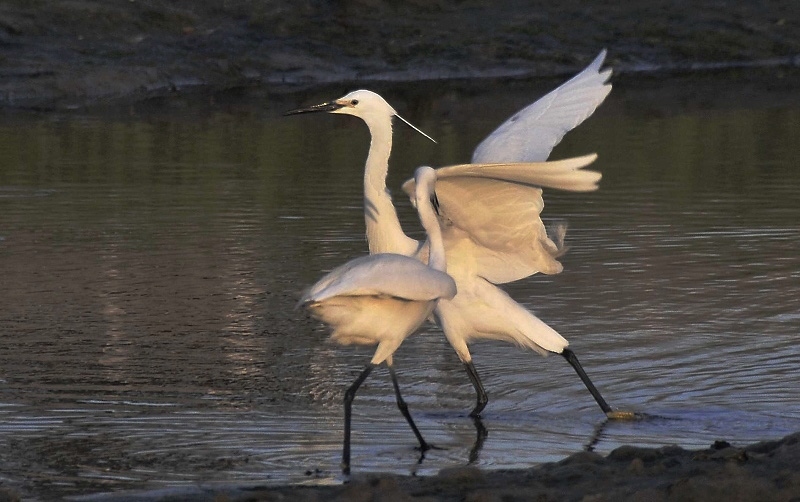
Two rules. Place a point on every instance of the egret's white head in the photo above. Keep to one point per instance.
(366, 105)
(363, 103)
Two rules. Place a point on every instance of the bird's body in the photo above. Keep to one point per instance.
(381, 299)
(482, 311)
(489, 214)
(377, 299)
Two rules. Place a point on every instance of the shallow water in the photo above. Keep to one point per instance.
(151, 260)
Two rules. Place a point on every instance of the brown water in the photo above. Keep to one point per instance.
(150, 263)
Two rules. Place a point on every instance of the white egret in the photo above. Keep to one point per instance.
(490, 215)
(382, 299)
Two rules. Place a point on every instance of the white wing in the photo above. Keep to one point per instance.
(530, 134)
(383, 274)
(489, 214)
(565, 174)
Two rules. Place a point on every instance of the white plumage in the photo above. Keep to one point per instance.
(531, 134)
(377, 299)
(382, 299)
(489, 214)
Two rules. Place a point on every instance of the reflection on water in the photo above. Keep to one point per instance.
(151, 263)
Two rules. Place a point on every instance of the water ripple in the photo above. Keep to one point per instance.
(151, 269)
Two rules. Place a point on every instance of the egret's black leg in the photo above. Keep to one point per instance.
(349, 395)
(423, 446)
(481, 434)
(572, 359)
(482, 398)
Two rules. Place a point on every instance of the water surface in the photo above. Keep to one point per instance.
(151, 261)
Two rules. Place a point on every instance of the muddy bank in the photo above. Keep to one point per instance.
(67, 54)
(765, 471)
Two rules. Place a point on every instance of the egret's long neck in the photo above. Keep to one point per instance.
(384, 233)
(427, 216)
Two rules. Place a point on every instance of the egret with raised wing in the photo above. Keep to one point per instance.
(490, 215)
(382, 299)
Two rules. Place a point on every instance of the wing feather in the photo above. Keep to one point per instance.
(566, 174)
(382, 274)
(490, 209)
(497, 225)
(530, 134)
(490, 215)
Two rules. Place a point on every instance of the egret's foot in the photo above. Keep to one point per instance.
(625, 415)
(427, 447)
(422, 450)
(476, 411)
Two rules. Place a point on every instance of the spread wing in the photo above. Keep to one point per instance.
(531, 133)
(383, 274)
(489, 214)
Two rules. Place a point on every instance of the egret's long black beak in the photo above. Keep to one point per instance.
(324, 107)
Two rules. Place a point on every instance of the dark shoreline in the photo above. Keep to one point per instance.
(70, 55)
(765, 471)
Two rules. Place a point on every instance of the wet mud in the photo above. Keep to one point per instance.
(765, 471)
(70, 54)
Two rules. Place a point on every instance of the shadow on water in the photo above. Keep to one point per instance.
(151, 262)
